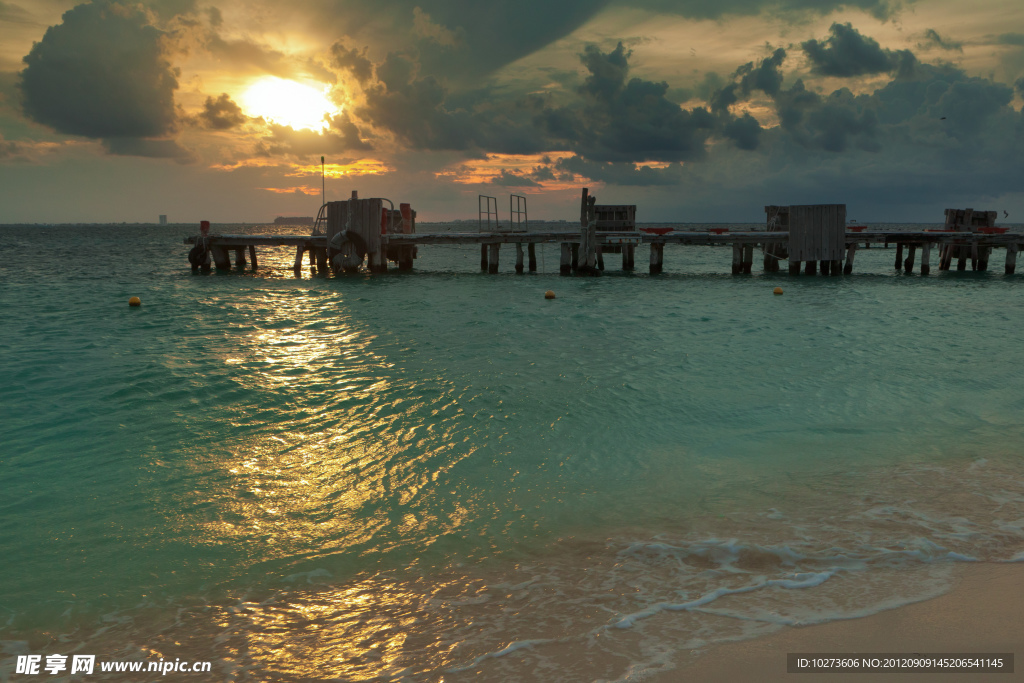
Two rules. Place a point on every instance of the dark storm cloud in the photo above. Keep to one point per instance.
(460, 40)
(342, 136)
(101, 73)
(626, 119)
(464, 40)
(702, 9)
(413, 109)
(831, 123)
(353, 61)
(508, 179)
(847, 53)
(1010, 39)
(221, 113)
(144, 147)
(619, 173)
(243, 53)
(611, 116)
(933, 39)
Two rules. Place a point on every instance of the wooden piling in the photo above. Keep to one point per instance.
(748, 258)
(811, 268)
(631, 251)
(657, 257)
(983, 256)
(974, 256)
(240, 257)
(851, 251)
(221, 258)
(926, 254)
(899, 256)
(1011, 258)
(600, 258)
(519, 257)
(737, 258)
(961, 260)
(794, 267)
(252, 256)
(321, 260)
(312, 257)
(531, 254)
(575, 247)
(565, 265)
(298, 257)
(492, 257)
(483, 258)
(908, 265)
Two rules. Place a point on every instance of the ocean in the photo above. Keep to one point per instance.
(440, 475)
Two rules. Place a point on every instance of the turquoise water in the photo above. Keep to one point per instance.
(442, 474)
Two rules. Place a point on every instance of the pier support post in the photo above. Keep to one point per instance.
(600, 258)
(961, 258)
(748, 258)
(794, 267)
(627, 257)
(811, 268)
(908, 265)
(926, 255)
(298, 258)
(575, 246)
(974, 256)
(1011, 258)
(851, 251)
(483, 258)
(492, 257)
(737, 258)
(983, 255)
(565, 265)
(221, 258)
(899, 256)
(531, 254)
(519, 257)
(836, 267)
(252, 256)
(321, 260)
(240, 257)
(378, 262)
(405, 258)
(657, 257)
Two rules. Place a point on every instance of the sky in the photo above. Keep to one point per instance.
(693, 110)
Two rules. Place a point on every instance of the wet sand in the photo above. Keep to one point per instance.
(983, 613)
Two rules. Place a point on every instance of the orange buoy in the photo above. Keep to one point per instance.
(135, 301)
(549, 294)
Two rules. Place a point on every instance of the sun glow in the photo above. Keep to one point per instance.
(288, 103)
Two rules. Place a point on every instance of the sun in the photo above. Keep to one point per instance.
(288, 103)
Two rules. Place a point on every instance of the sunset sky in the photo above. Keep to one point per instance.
(693, 110)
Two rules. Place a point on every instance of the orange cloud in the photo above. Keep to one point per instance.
(535, 170)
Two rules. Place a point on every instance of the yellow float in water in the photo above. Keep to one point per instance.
(135, 301)
(549, 294)
(777, 290)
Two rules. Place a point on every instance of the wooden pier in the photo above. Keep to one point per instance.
(812, 239)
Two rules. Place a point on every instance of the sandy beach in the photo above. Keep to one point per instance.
(983, 613)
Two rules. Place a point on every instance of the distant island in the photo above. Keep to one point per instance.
(294, 220)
